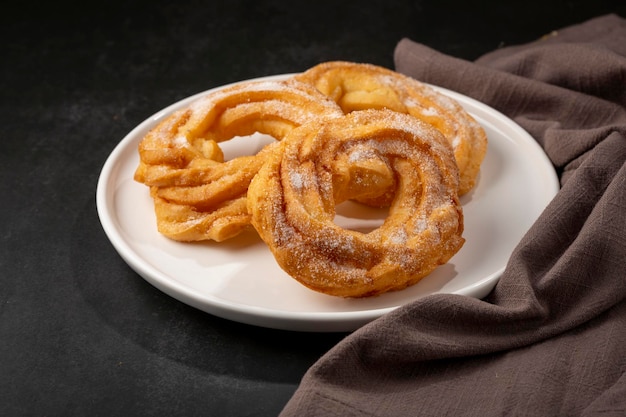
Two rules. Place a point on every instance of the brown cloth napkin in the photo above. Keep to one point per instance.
(550, 339)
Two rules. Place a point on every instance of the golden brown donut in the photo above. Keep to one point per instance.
(197, 195)
(292, 203)
(357, 86)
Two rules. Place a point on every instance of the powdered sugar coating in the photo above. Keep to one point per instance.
(405, 94)
(424, 225)
(197, 195)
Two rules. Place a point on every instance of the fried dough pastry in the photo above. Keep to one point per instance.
(292, 201)
(197, 195)
(357, 86)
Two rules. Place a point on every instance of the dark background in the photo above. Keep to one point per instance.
(80, 333)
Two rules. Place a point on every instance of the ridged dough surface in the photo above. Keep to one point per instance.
(292, 201)
(197, 195)
(355, 86)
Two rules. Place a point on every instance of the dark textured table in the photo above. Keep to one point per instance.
(80, 332)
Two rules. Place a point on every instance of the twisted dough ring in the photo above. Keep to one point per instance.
(362, 86)
(292, 204)
(197, 196)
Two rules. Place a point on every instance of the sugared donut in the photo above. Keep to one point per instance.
(357, 86)
(197, 195)
(292, 201)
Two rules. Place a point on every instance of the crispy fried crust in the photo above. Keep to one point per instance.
(357, 86)
(292, 203)
(197, 195)
(344, 131)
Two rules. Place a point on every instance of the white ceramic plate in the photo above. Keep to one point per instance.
(240, 280)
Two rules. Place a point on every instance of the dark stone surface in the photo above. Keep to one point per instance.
(80, 332)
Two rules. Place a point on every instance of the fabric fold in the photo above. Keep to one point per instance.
(549, 339)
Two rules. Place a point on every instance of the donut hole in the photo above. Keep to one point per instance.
(245, 145)
(358, 217)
